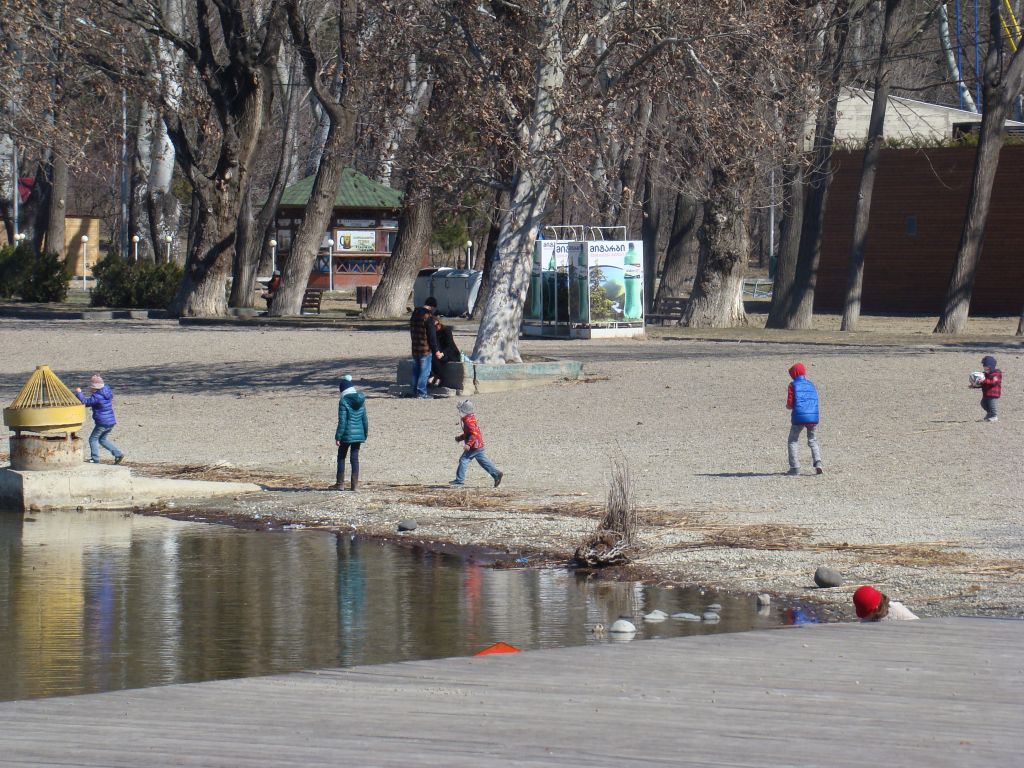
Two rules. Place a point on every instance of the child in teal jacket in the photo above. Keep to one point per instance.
(352, 431)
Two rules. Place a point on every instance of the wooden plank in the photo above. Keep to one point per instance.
(931, 693)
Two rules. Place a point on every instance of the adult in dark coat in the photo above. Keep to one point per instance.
(450, 352)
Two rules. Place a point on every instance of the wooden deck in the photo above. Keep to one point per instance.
(945, 692)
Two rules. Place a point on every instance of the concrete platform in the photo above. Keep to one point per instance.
(469, 378)
(937, 693)
(102, 486)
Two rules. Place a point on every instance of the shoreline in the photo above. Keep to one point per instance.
(919, 497)
(462, 523)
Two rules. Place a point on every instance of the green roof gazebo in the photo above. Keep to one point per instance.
(361, 235)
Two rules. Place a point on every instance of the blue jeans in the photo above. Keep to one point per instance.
(482, 460)
(420, 374)
(101, 436)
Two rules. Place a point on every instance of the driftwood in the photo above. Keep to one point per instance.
(604, 549)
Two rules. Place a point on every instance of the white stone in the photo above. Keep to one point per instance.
(622, 626)
(656, 615)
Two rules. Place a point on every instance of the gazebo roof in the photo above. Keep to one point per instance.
(354, 191)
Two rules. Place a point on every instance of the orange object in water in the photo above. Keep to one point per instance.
(498, 648)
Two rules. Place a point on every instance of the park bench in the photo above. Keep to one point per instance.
(668, 308)
(311, 301)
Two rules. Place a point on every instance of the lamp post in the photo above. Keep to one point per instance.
(19, 239)
(167, 239)
(85, 258)
(469, 254)
(273, 256)
(330, 264)
(135, 246)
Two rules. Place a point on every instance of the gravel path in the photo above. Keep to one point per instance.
(918, 495)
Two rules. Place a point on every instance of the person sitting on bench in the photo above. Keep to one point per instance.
(272, 286)
(449, 350)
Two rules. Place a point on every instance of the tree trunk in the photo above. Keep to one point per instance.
(801, 313)
(997, 95)
(497, 339)
(310, 233)
(717, 297)
(862, 213)
(955, 76)
(254, 231)
(414, 231)
(501, 203)
(162, 206)
(789, 245)
(649, 230)
(58, 207)
(683, 248)
(203, 290)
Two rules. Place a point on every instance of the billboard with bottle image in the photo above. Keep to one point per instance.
(547, 298)
(606, 282)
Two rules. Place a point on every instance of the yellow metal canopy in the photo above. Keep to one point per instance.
(45, 405)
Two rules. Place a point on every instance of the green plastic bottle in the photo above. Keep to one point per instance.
(633, 278)
(535, 292)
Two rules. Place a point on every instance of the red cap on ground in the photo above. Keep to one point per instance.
(866, 600)
(797, 370)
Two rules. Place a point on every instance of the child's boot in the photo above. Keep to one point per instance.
(355, 482)
(497, 479)
(339, 482)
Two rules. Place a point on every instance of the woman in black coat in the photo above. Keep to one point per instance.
(449, 353)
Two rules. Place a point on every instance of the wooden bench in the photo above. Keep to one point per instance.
(311, 301)
(668, 308)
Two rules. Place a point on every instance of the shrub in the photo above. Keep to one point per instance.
(39, 278)
(134, 284)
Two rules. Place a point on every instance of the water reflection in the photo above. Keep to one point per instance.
(99, 601)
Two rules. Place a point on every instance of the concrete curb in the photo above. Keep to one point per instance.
(103, 486)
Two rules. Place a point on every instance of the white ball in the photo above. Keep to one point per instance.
(976, 378)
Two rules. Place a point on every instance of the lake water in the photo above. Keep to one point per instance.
(100, 601)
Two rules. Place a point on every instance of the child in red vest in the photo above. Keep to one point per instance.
(991, 387)
(472, 447)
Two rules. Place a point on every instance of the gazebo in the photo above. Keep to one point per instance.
(361, 235)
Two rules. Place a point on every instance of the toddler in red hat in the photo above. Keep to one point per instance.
(873, 605)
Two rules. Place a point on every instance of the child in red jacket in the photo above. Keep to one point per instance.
(473, 447)
(991, 387)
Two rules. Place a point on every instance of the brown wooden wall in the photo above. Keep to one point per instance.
(908, 273)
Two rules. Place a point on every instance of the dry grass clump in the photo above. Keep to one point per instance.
(615, 537)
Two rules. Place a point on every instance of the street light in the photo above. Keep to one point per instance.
(85, 258)
(469, 253)
(273, 256)
(167, 239)
(330, 264)
(135, 245)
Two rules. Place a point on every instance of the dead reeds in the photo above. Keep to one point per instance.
(615, 538)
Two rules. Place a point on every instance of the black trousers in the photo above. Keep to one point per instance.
(343, 450)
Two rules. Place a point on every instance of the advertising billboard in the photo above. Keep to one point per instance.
(547, 297)
(355, 241)
(607, 282)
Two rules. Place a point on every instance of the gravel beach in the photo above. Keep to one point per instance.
(919, 496)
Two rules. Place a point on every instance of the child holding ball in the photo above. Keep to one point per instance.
(991, 387)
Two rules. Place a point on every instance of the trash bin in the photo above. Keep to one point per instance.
(456, 290)
(364, 293)
(423, 287)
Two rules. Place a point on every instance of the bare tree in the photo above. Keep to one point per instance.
(876, 126)
(1001, 86)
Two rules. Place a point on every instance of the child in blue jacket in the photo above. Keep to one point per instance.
(101, 400)
(802, 400)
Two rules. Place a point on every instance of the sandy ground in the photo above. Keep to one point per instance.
(919, 496)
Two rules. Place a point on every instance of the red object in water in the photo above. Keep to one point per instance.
(498, 648)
